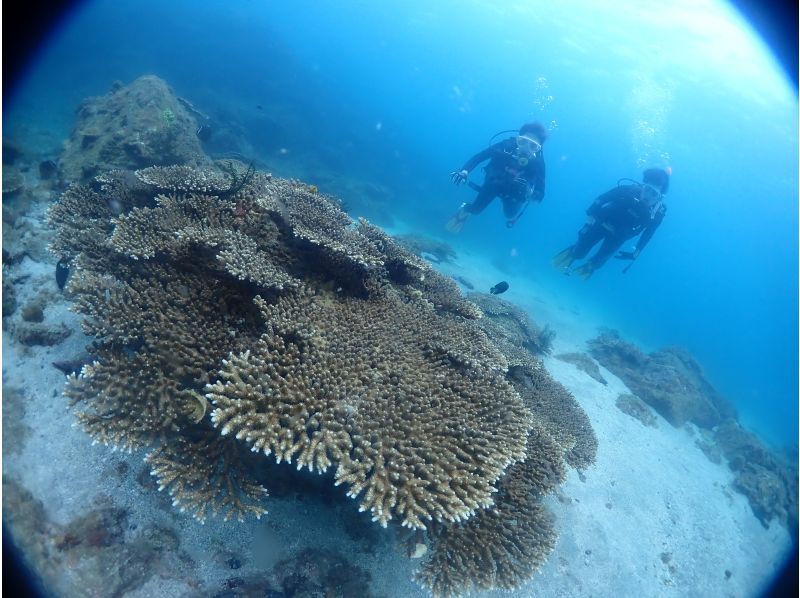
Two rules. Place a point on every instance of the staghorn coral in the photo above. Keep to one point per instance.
(82, 221)
(129, 402)
(370, 386)
(500, 547)
(186, 179)
(184, 320)
(206, 473)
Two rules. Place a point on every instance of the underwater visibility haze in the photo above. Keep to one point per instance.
(375, 104)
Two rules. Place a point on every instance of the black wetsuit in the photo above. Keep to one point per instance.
(620, 214)
(507, 176)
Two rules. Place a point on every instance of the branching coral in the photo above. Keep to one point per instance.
(82, 219)
(129, 402)
(513, 326)
(500, 547)
(400, 394)
(206, 474)
(185, 319)
(231, 309)
(503, 546)
(557, 410)
(371, 387)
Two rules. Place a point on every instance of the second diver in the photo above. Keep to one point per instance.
(615, 217)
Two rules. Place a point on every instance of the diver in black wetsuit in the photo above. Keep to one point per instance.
(515, 173)
(615, 217)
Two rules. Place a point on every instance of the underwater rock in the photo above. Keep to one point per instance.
(318, 572)
(710, 450)
(9, 297)
(33, 312)
(13, 183)
(584, 363)
(41, 334)
(637, 409)
(101, 561)
(31, 530)
(137, 125)
(669, 380)
(25, 238)
(98, 528)
(765, 477)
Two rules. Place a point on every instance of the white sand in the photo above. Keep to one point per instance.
(651, 492)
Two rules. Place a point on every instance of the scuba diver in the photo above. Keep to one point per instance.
(615, 217)
(515, 173)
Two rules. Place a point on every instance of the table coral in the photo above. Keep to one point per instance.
(230, 309)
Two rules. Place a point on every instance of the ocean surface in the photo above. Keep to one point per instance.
(400, 94)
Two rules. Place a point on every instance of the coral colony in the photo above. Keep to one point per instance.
(230, 310)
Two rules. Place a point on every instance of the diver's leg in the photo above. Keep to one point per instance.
(588, 237)
(483, 199)
(610, 245)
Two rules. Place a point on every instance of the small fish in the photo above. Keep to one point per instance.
(500, 287)
(62, 273)
(259, 107)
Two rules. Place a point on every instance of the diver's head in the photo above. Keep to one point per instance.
(657, 178)
(530, 139)
(655, 183)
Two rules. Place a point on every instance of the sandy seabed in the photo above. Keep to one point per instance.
(653, 516)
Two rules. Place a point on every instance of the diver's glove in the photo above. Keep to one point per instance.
(627, 255)
(530, 194)
(459, 176)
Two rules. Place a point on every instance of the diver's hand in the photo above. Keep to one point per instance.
(459, 176)
(627, 255)
(590, 220)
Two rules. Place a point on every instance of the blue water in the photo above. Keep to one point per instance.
(402, 93)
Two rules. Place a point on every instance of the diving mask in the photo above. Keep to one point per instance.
(528, 146)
